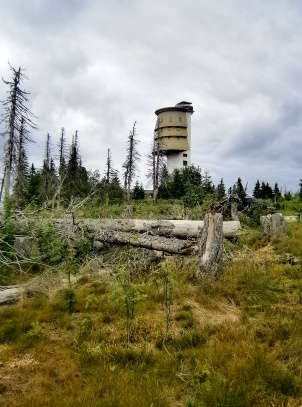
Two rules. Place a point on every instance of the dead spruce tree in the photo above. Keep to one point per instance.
(155, 163)
(15, 115)
(110, 175)
(131, 163)
(46, 170)
(110, 171)
(62, 165)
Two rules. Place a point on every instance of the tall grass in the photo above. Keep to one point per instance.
(236, 341)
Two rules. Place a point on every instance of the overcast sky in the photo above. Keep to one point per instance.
(97, 66)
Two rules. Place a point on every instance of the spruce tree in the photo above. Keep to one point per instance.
(46, 174)
(266, 191)
(288, 196)
(115, 190)
(240, 191)
(15, 115)
(277, 192)
(131, 163)
(257, 190)
(22, 168)
(221, 194)
(300, 190)
(207, 184)
(176, 185)
(163, 189)
(62, 166)
(72, 168)
(138, 191)
(34, 185)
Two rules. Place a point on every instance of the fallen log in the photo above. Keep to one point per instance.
(161, 243)
(45, 284)
(10, 294)
(170, 236)
(182, 229)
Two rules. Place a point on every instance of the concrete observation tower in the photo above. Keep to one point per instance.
(173, 130)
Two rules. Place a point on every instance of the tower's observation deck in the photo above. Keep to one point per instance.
(173, 130)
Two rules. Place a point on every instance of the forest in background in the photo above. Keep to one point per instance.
(62, 178)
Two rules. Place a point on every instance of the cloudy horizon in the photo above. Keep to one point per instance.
(97, 67)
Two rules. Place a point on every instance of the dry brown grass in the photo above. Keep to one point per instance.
(232, 342)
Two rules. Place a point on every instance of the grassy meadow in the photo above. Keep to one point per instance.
(135, 333)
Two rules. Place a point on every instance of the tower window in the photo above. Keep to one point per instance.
(185, 155)
(160, 119)
(169, 128)
(170, 119)
(177, 128)
(185, 163)
(180, 118)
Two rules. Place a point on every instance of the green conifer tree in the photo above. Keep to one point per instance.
(257, 190)
(221, 194)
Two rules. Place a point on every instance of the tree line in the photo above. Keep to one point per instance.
(62, 181)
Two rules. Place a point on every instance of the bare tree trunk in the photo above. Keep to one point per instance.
(62, 168)
(234, 208)
(156, 171)
(8, 160)
(2, 186)
(211, 246)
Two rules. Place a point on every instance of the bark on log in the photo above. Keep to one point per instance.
(182, 229)
(161, 243)
(173, 236)
(211, 247)
(272, 226)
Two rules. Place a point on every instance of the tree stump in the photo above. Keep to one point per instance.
(272, 226)
(211, 247)
(234, 208)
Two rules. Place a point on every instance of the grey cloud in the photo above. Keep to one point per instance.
(97, 66)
